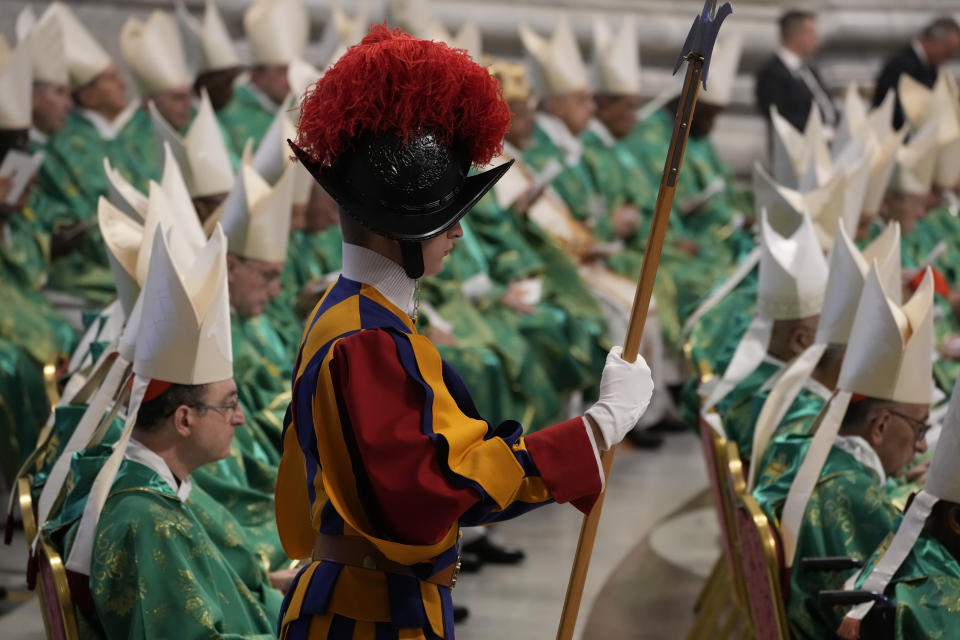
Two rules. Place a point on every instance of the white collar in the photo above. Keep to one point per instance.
(558, 133)
(137, 452)
(110, 129)
(37, 136)
(265, 102)
(600, 130)
(863, 453)
(383, 274)
(107, 130)
(918, 49)
(790, 60)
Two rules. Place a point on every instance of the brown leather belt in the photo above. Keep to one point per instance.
(355, 551)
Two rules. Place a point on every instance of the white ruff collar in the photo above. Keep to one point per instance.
(380, 272)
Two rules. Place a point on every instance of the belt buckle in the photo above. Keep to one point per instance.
(456, 570)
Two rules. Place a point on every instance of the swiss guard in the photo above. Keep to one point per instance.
(384, 454)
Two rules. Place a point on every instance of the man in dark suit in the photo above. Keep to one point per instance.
(920, 59)
(788, 81)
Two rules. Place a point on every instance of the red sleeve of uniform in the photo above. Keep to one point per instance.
(568, 463)
(383, 407)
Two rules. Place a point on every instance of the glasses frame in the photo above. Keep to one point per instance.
(231, 408)
(920, 432)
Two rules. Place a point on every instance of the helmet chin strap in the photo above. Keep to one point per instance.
(412, 254)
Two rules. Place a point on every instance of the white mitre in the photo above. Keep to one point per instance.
(722, 73)
(207, 41)
(278, 30)
(300, 75)
(46, 47)
(343, 32)
(272, 158)
(942, 483)
(128, 238)
(85, 57)
(184, 338)
(939, 104)
(616, 58)
(16, 91)
(154, 50)
(847, 275)
(889, 357)
(123, 195)
(468, 38)
(559, 65)
(256, 216)
(202, 153)
(916, 163)
(793, 274)
(801, 160)
(826, 206)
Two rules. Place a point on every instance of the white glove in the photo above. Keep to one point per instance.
(625, 390)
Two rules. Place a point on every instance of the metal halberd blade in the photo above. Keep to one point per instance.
(703, 35)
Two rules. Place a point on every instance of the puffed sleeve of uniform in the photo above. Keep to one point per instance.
(427, 460)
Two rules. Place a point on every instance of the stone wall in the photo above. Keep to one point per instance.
(857, 35)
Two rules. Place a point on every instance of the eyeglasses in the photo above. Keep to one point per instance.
(230, 408)
(267, 276)
(920, 427)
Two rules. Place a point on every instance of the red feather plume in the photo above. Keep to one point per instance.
(393, 82)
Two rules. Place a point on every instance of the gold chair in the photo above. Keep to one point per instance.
(762, 569)
(25, 500)
(56, 603)
(722, 610)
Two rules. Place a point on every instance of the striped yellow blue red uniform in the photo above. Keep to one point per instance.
(382, 441)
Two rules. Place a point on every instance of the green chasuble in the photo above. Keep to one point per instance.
(65, 420)
(247, 116)
(163, 567)
(798, 419)
(925, 590)
(504, 374)
(563, 348)
(736, 409)
(225, 480)
(24, 259)
(263, 369)
(24, 407)
(649, 143)
(939, 225)
(140, 144)
(157, 572)
(279, 312)
(574, 184)
(714, 338)
(32, 334)
(849, 514)
(70, 183)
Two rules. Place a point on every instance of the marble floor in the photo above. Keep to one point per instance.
(645, 487)
(525, 602)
